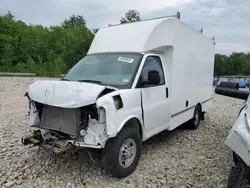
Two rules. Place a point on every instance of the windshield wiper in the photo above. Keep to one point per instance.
(90, 81)
(64, 79)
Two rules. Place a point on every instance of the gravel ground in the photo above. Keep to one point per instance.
(181, 158)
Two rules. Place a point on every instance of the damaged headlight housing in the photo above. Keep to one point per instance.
(101, 115)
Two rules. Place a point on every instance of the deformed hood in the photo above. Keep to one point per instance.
(65, 94)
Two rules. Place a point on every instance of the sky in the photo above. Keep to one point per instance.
(227, 20)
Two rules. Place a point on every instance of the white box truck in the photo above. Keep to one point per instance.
(137, 80)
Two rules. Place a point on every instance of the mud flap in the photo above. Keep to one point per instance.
(248, 176)
(202, 116)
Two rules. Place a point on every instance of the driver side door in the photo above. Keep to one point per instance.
(155, 97)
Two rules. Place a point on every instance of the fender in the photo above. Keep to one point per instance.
(130, 108)
(130, 118)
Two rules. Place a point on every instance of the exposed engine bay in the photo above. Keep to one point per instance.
(57, 128)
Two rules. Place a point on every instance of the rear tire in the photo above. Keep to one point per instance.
(122, 153)
(237, 178)
(194, 123)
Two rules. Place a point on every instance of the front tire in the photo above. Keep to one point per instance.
(122, 153)
(237, 178)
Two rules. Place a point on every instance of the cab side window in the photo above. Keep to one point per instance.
(152, 63)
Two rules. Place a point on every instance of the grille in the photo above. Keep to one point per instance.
(66, 120)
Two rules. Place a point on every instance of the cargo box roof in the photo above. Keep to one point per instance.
(139, 36)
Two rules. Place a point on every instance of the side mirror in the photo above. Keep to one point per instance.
(153, 78)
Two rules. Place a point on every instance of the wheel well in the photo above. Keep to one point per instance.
(235, 158)
(199, 104)
(201, 113)
(135, 122)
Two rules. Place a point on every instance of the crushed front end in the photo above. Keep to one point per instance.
(58, 129)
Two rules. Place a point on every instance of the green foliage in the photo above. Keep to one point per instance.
(7, 58)
(9, 15)
(20, 67)
(38, 49)
(131, 16)
(31, 65)
(60, 66)
(234, 64)
(74, 22)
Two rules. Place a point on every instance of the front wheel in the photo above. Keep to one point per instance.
(122, 153)
(237, 178)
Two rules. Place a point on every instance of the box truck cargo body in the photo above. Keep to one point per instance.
(137, 80)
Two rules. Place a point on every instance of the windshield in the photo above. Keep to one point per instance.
(108, 69)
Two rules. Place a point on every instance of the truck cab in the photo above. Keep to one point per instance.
(143, 77)
(137, 80)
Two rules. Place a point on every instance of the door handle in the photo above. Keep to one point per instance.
(166, 92)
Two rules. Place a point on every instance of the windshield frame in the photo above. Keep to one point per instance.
(125, 86)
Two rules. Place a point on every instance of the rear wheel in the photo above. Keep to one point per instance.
(122, 153)
(195, 121)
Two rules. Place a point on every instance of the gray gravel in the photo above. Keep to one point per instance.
(181, 158)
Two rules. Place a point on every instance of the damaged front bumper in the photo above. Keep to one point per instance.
(46, 146)
(55, 145)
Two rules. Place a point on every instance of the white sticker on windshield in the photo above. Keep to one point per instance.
(125, 59)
